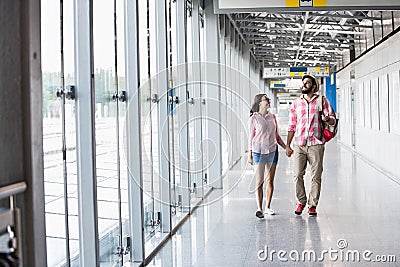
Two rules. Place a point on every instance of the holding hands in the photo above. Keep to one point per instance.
(289, 151)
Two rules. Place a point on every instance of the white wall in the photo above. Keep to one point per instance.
(376, 88)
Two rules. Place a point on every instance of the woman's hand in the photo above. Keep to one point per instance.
(250, 158)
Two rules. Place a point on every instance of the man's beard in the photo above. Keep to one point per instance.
(306, 91)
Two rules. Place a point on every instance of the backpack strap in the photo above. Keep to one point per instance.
(319, 103)
(320, 110)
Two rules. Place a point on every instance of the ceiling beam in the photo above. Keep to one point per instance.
(336, 24)
(268, 20)
(333, 14)
(250, 35)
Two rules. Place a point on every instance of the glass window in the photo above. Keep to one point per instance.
(396, 16)
(59, 174)
(387, 22)
(148, 119)
(143, 40)
(109, 68)
(377, 26)
(369, 36)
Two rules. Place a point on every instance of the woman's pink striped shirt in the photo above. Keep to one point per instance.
(263, 134)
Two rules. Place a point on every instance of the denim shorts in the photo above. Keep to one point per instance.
(270, 158)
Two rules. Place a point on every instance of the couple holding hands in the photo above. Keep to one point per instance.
(305, 127)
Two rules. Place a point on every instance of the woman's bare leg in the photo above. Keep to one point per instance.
(259, 173)
(270, 183)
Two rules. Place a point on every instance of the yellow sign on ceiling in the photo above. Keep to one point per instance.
(300, 3)
(292, 3)
(319, 3)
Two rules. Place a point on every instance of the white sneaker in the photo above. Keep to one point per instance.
(269, 212)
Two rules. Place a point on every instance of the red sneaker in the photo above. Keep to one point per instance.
(300, 208)
(312, 211)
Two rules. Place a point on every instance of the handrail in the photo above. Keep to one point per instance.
(12, 189)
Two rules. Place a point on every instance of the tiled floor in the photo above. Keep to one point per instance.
(358, 214)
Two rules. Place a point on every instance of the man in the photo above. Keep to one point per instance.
(305, 125)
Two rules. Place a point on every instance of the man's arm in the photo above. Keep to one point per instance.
(291, 129)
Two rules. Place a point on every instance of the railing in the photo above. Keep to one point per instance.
(10, 253)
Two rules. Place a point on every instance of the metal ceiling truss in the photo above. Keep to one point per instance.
(311, 38)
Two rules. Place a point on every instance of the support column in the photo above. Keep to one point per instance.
(132, 124)
(161, 83)
(224, 103)
(212, 94)
(85, 135)
(196, 94)
(182, 107)
(21, 84)
(246, 93)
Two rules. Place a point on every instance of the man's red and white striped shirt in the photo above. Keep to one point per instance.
(305, 121)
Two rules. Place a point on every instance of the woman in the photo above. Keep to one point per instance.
(263, 149)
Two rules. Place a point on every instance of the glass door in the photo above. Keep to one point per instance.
(112, 185)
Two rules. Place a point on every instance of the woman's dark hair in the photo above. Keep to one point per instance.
(256, 103)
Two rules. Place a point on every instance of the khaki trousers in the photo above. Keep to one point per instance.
(314, 155)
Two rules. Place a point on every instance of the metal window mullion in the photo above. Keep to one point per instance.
(85, 134)
(212, 91)
(161, 82)
(133, 129)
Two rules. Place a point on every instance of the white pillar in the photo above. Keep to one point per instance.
(180, 72)
(85, 136)
(161, 82)
(196, 94)
(212, 94)
(132, 124)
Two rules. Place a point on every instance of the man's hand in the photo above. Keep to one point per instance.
(327, 119)
(290, 136)
(289, 151)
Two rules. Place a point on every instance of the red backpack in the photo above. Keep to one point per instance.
(329, 131)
